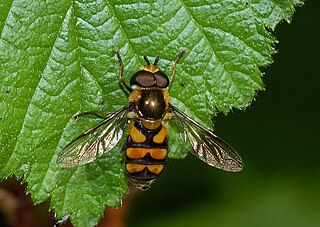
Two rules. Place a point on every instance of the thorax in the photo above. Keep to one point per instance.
(150, 104)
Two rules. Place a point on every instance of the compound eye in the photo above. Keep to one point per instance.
(161, 79)
(143, 79)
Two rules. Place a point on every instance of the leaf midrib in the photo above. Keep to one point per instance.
(34, 92)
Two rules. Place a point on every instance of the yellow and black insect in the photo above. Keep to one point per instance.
(146, 147)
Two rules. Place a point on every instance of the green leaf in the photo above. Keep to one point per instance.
(57, 58)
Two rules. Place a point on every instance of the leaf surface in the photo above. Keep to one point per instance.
(57, 59)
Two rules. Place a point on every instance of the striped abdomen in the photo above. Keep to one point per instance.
(145, 153)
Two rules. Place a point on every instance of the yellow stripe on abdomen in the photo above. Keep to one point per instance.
(136, 135)
(134, 168)
(138, 152)
(161, 136)
(156, 169)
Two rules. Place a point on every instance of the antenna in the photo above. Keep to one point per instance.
(146, 59)
(156, 60)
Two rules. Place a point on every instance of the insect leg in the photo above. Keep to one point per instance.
(174, 65)
(121, 72)
(95, 113)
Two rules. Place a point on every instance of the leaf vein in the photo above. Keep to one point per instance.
(4, 23)
(34, 93)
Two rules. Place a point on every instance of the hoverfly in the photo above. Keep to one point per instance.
(146, 146)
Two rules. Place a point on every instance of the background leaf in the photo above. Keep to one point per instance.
(57, 59)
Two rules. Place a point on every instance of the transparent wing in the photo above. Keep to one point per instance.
(206, 145)
(94, 142)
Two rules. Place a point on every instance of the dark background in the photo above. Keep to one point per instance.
(278, 138)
